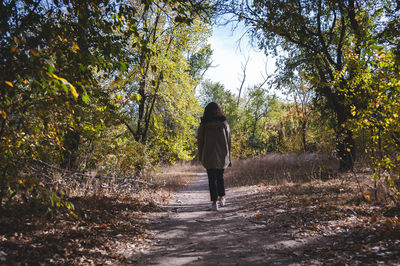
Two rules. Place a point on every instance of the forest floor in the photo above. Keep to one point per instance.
(333, 222)
(316, 223)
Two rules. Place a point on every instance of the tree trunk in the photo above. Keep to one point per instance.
(71, 145)
(303, 134)
(2, 192)
(345, 150)
(345, 146)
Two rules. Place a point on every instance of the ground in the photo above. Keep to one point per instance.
(186, 233)
(335, 221)
(271, 225)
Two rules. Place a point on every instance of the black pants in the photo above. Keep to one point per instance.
(216, 183)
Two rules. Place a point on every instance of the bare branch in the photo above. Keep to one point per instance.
(244, 69)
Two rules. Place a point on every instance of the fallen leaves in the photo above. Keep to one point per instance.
(346, 228)
(107, 231)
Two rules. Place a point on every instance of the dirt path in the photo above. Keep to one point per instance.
(186, 233)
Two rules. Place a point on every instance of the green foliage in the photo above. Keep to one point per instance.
(313, 36)
(50, 97)
(200, 62)
(74, 74)
(215, 92)
(376, 109)
(262, 123)
(165, 116)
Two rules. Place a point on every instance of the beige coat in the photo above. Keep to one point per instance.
(214, 144)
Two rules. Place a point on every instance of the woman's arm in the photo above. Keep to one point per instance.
(229, 140)
(200, 141)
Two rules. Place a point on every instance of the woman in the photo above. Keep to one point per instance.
(214, 145)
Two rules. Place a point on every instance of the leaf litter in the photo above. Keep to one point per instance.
(108, 231)
(332, 220)
(337, 225)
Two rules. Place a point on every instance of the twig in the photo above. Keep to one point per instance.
(90, 176)
(62, 170)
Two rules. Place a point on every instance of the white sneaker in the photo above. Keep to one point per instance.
(222, 202)
(213, 207)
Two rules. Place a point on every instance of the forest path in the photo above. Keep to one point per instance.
(186, 233)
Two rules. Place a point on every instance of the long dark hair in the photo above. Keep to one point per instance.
(212, 112)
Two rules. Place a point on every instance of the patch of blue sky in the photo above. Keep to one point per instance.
(231, 48)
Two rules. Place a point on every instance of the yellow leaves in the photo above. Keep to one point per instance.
(73, 214)
(367, 197)
(75, 47)
(64, 81)
(15, 50)
(73, 91)
(61, 39)
(35, 53)
(57, 77)
(9, 84)
(58, 141)
(3, 114)
(138, 97)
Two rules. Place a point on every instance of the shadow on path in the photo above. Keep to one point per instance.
(188, 234)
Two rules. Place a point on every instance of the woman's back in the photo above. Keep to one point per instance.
(214, 144)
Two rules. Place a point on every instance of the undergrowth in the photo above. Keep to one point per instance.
(277, 168)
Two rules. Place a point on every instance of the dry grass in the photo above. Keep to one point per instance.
(176, 176)
(100, 186)
(281, 168)
(337, 222)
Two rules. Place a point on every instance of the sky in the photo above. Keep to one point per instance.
(229, 53)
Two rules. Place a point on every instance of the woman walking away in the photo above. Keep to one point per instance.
(214, 145)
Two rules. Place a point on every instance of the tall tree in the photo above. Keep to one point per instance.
(159, 87)
(314, 34)
(59, 61)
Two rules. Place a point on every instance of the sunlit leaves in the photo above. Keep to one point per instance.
(123, 66)
(85, 97)
(9, 84)
(65, 64)
(137, 98)
(66, 83)
(375, 107)
(75, 48)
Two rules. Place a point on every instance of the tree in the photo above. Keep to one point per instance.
(200, 62)
(378, 92)
(49, 91)
(314, 35)
(60, 61)
(216, 92)
(244, 69)
(156, 96)
(258, 106)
